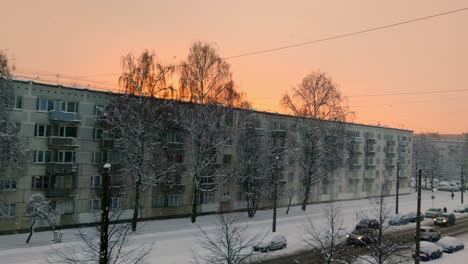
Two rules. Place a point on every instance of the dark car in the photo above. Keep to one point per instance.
(444, 219)
(361, 237)
(429, 251)
(368, 223)
(411, 216)
(398, 220)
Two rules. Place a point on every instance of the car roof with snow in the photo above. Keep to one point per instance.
(448, 241)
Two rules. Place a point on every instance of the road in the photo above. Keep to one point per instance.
(175, 240)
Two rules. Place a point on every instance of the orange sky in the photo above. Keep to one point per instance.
(86, 39)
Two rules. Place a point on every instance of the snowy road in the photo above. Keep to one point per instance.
(175, 239)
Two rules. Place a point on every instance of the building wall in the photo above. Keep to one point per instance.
(374, 158)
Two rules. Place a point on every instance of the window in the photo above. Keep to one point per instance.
(64, 182)
(355, 161)
(292, 161)
(114, 203)
(43, 104)
(240, 196)
(175, 157)
(227, 159)
(173, 200)
(18, 102)
(68, 131)
(98, 157)
(293, 127)
(97, 133)
(41, 130)
(69, 107)
(174, 137)
(94, 204)
(7, 210)
(206, 179)
(8, 185)
(40, 182)
(228, 141)
(66, 156)
(98, 110)
(206, 198)
(41, 156)
(96, 181)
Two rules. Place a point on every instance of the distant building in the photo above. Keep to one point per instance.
(67, 151)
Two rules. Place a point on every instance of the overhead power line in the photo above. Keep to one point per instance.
(410, 93)
(323, 39)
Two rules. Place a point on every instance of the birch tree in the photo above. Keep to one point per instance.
(426, 157)
(206, 83)
(136, 120)
(40, 211)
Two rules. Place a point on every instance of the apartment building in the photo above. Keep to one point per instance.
(66, 154)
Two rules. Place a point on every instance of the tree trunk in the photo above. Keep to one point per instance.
(289, 204)
(31, 231)
(306, 197)
(136, 204)
(194, 205)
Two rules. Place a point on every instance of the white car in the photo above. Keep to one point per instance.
(450, 244)
(461, 209)
(273, 243)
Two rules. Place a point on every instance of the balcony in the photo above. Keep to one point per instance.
(54, 193)
(369, 175)
(58, 168)
(64, 117)
(62, 142)
(106, 144)
(115, 167)
(113, 190)
(390, 142)
(389, 165)
(357, 140)
(355, 153)
(371, 141)
(278, 133)
(390, 154)
(370, 152)
(355, 166)
(403, 143)
(370, 166)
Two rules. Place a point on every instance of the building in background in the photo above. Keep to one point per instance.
(66, 153)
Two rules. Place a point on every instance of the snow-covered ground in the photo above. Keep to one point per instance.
(175, 239)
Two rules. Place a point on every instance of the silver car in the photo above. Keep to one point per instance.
(429, 233)
(273, 243)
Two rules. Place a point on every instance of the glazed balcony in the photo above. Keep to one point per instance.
(61, 168)
(278, 133)
(59, 116)
(63, 142)
(58, 193)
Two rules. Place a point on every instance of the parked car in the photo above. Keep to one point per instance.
(428, 233)
(398, 219)
(449, 188)
(273, 243)
(411, 216)
(368, 223)
(428, 251)
(461, 209)
(450, 244)
(361, 237)
(432, 212)
(444, 219)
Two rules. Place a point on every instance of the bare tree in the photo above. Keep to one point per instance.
(255, 168)
(230, 243)
(40, 211)
(317, 97)
(321, 152)
(426, 157)
(327, 238)
(206, 82)
(136, 120)
(384, 247)
(289, 194)
(119, 250)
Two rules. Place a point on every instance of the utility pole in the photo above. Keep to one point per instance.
(397, 186)
(416, 175)
(432, 181)
(418, 219)
(104, 229)
(462, 188)
(275, 195)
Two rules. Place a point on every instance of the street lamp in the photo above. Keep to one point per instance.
(104, 230)
(397, 186)
(275, 193)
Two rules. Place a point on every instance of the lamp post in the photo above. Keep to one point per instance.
(397, 186)
(104, 230)
(275, 194)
